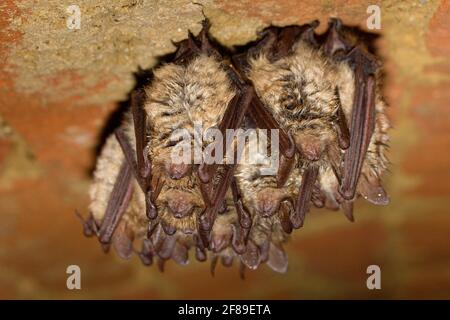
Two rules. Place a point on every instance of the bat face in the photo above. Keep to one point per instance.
(180, 203)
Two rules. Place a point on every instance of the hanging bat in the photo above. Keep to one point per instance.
(195, 86)
(322, 98)
(311, 90)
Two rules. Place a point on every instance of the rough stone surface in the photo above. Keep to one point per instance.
(59, 87)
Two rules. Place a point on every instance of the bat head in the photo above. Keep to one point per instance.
(267, 201)
(173, 168)
(309, 106)
(222, 231)
(180, 202)
(313, 139)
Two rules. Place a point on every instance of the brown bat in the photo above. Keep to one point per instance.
(140, 177)
(365, 160)
(184, 86)
(323, 99)
(311, 90)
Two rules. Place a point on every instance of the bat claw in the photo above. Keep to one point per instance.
(90, 227)
(335, 23)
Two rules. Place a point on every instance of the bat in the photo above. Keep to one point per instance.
(177, 202)
(323, 97)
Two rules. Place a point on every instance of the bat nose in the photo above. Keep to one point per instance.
(180, 208)
(177, 171)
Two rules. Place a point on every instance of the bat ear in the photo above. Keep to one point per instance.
(278, 260)
(308, 34)
(122, 240)
(331, 202)
(334, 41)
(227, 261)
(318, 198)
(251, 257)
(167, 247)
(220, 241)
(147, 252)
(180, 254)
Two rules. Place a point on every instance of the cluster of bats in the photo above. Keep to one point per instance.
(323, 97)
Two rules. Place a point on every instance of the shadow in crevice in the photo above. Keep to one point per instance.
(142, 78)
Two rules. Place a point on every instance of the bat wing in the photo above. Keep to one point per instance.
(362, 122)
